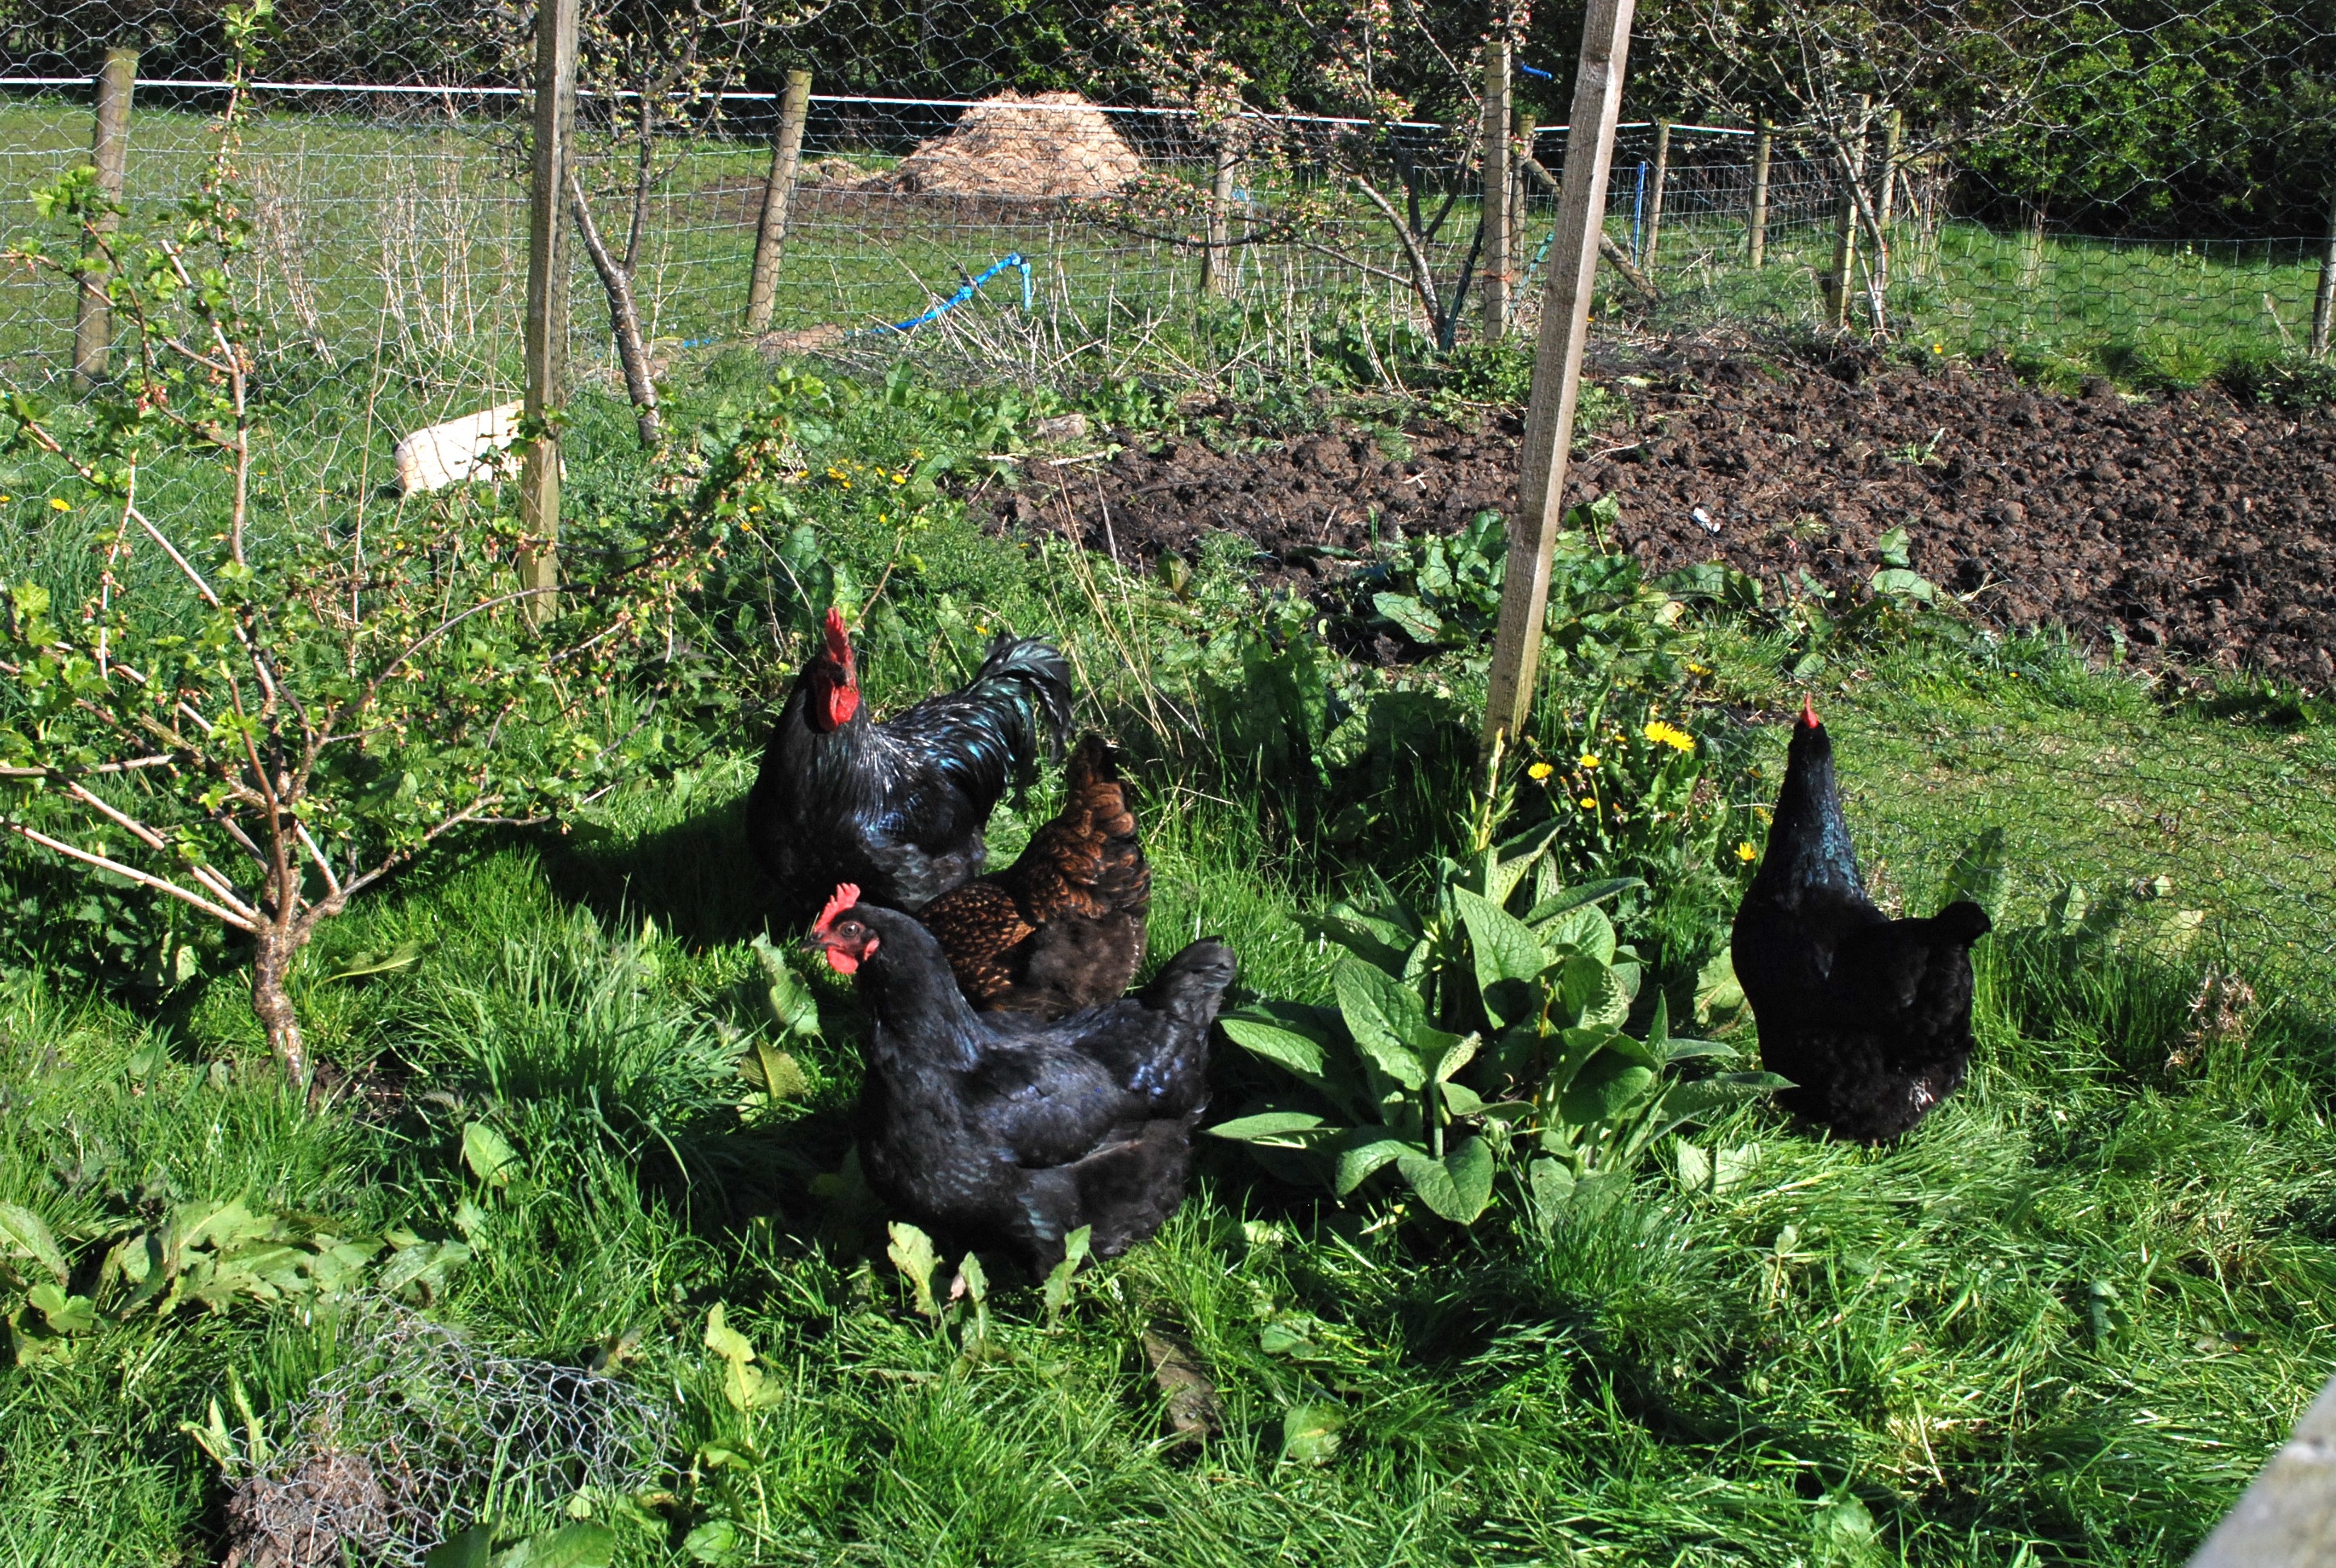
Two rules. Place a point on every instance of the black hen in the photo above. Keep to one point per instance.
(1869, 1017)
(897, 807)
(994, 1130)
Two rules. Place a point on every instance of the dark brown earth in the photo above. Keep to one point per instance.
(2192, 525)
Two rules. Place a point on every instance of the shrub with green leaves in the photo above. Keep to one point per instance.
(1478, 1023)
(262, 718)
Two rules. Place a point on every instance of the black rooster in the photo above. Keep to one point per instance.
(897, 807)
(996, 1130)
(1869, 1017)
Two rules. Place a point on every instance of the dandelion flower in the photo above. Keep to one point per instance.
(1588, 759)
(1694, 668)
(1668, 734)
(1938, 348)
(58, 504)
(1539, 771)
(1745, 852)
(1589, 803)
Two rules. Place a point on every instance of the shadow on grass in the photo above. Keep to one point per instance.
(694, 878)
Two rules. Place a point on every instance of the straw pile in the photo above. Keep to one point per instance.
(1048, 145)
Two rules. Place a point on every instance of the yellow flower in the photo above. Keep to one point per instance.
(1668, 734)
(1938, 348)
(1745, 852)
(1589, 804)
(1693, 669)
(1539, 771)
(58, 504)
(1588, 759)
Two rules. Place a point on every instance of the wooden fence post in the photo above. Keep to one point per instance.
(1835, 282)
(546, 342)
(1893, 131)
(110, 149)
(2323, 301)
(1216, 255)
(1655, 203)
(778, 191)
(1499, 179)
(1557, 367)
(1762, 140)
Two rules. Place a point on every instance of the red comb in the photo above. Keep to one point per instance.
(839, 641)
(1808, 713)
(846, 895)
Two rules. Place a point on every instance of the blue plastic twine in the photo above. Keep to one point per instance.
(964, 292)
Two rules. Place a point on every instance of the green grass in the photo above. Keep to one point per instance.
(407, 246)
(2061, 1324)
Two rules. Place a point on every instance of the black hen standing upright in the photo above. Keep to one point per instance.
(996, 1130)
(897, 807)
(1869, 1017)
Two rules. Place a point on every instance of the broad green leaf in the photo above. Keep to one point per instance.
(581, 1544)
(1452, 1058)
(725, 1340)
(488, 1154)
(1678, 1048)
(1978, 873)
(1608, 1087)
(1384, 1016)
(1509, 958)
(1358, 1164)
(1458, 1186)
(782, 1076)
(1310, 1433)
(1416, 621)
(1898, 582)
(792, 1005)
(1513, 860)
(1566, 901)
(1588, 993)
(474, 1548)
(1552, 1182)
(1275, 1041)
(65, 1314)
(911, 1252)
(24, 1235)
(1282, 1129)
(1694, 1166)
(1585, 930)
(1461, 1100)
(1056, 1290)
(1717, 994)
(714, 1542)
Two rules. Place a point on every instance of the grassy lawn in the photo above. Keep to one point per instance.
(414, 239)
(2062, 1323)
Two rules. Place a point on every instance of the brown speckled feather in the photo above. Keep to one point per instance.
(1063, 927)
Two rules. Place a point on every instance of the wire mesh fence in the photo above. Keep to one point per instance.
(1146, 209)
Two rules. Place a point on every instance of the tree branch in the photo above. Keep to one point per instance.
(134, 874)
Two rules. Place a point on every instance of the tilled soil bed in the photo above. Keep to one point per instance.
(2188, 523)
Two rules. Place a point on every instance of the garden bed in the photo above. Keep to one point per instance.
(2188, 523)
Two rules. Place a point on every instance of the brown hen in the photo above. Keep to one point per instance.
(1063, 927)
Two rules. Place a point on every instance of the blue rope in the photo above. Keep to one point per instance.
(966, 292)
(1532, 71)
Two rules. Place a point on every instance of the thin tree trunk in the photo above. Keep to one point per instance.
(275, 947)
(640, 224)
(622, 315)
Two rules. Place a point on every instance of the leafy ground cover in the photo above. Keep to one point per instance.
(2061, 1323)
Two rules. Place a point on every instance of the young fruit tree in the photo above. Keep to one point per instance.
(261, 696)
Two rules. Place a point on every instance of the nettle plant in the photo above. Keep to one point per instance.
(262, 715)
(1486, 1020)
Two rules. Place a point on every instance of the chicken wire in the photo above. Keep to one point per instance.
(419, 1434)
(387, 162)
